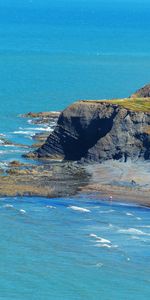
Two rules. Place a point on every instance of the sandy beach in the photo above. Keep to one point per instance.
(128, 182)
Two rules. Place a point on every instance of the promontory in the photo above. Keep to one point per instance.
(99, 130)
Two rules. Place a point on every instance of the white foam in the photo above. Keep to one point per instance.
(132, 231)
(8, 206)
(78, 208)
(129, 214)
(29, 121)
(12, 145)
(106, 211)
(46, 128)
(22, 211)
(31, 133)
(99, 265)
(50, 206)
(11, 151)
(3, 164)
(49, 129)
(100, 239)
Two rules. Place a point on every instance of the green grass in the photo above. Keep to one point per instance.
(134, 104)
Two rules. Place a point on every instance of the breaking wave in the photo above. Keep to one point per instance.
(78, 208)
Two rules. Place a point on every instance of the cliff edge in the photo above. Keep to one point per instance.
(100, 130)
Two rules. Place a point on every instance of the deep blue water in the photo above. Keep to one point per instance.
(51, 54)
(54, 53)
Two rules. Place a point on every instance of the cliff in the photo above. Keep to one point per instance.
(101, 130)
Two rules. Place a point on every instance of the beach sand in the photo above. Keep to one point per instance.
(128, 182)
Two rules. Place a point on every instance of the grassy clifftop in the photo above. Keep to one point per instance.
(134, 104)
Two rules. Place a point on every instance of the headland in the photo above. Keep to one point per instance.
(99, 147)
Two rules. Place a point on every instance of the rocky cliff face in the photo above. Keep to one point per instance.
(98, 131)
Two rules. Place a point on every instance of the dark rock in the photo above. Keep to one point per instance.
(98, 131)
(50, 114)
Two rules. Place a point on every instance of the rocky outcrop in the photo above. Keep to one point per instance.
(142, 92)
(98, 131)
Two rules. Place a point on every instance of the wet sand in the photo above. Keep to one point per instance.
(128, 182)
(114, 181)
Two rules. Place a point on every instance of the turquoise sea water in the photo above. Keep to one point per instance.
(50, 55)
(54, 249)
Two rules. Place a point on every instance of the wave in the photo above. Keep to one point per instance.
(8, 206)
(100, 239)
(3, 164)
(31, 133)
(12, 151)
(129, 214)
(99, 265)
(78, 208)
(12, 145)
(29, 121)
(106, 211)
(46, 128)
(132, 231)
(50, 206)
(49, 129)
(22, 211)
(106, 246)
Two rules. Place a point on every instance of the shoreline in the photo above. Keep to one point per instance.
(128, 182)
(66, 179)
(122, 195)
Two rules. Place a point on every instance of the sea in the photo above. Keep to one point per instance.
(53, 53)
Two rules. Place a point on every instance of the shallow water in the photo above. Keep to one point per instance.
(75, 248)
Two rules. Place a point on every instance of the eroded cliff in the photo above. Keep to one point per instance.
(100, 130)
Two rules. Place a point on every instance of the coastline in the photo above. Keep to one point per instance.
(65, 179)
(128, 182)
(124, 195)
(50, 178)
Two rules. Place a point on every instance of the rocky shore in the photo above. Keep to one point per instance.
(49, 180)
(110, 180)
(86, 152)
